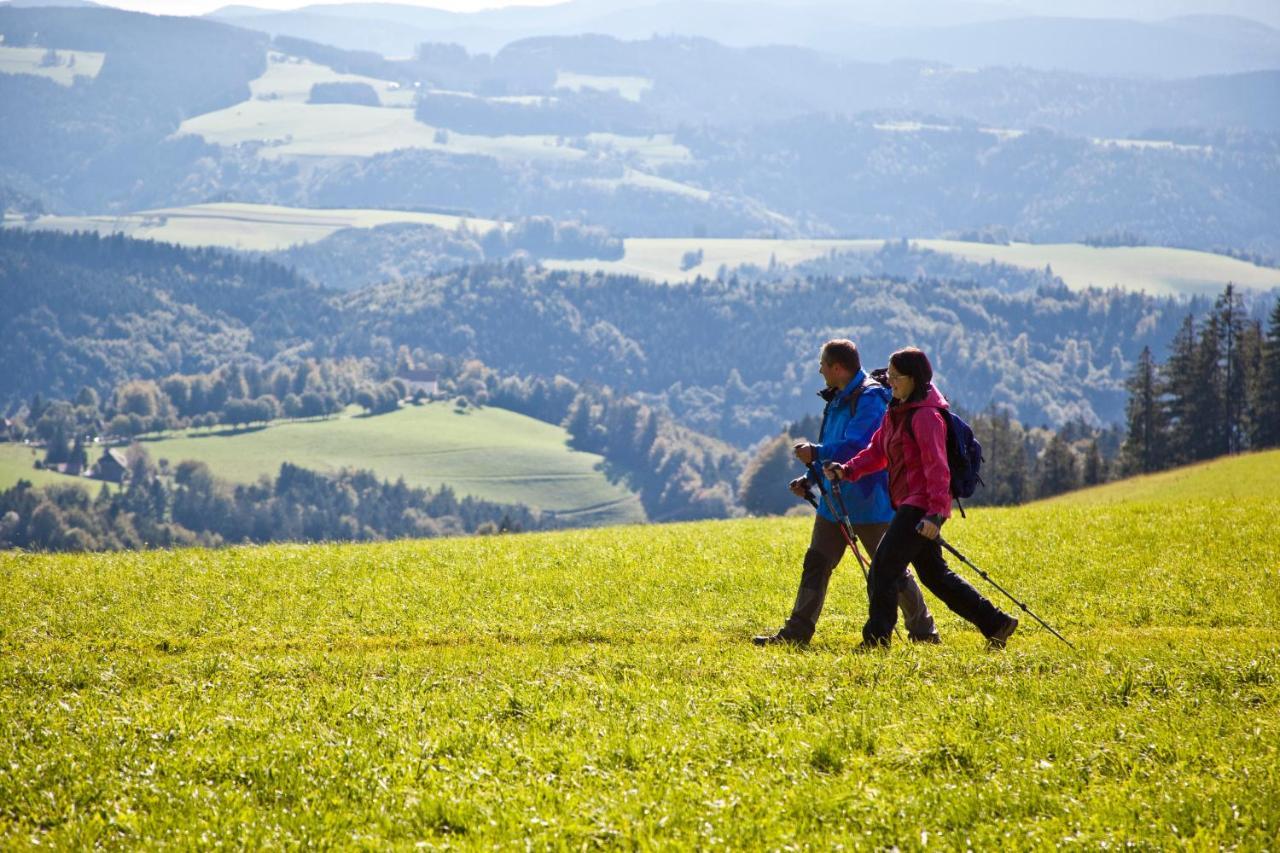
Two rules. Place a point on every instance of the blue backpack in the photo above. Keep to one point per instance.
(964, 456)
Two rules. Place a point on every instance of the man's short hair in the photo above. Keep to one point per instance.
(844, 352)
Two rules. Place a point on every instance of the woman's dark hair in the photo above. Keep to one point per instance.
(844, 352)
(911, 361)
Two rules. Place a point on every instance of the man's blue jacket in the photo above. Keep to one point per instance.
(844, 432)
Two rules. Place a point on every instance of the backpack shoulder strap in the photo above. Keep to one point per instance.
(867, 384)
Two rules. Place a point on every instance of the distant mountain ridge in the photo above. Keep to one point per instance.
(1215, 44)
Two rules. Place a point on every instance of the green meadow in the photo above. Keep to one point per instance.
(70, 64)
(596, 688)
(246, 227)
(489, 453)
(17, 462)
(1157, 270)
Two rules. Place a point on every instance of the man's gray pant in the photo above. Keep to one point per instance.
(826, 547)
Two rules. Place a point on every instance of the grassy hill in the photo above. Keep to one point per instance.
(1157, 270)
(1249, 475)
(260, 227)
(489, 453)
(17, 463)
(247, 227)
(596, 688)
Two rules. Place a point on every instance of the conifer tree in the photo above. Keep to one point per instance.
(1144, 446)
(1231, 319)
(1177, 390)
(1095, 469)
(1266, 430)
(1058, 470)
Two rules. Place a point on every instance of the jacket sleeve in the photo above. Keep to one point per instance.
(858, 430)
(871, 458)
(930, 428)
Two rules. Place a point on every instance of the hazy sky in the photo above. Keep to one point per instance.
(200, 7)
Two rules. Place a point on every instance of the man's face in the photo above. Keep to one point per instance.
(835, 375)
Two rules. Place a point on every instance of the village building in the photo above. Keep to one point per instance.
(417, 379)
(113, 466)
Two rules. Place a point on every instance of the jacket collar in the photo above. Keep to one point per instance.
(828, 394)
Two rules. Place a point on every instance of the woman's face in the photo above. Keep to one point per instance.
(901, 385)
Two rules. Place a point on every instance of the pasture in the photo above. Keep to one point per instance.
(17, 462)
(62, 68)
(246, 227)
(290, 78)
(1157, 270)
(289, 128)
(487, 453)
(595, 688)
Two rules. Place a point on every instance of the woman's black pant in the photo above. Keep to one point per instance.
(902, 545)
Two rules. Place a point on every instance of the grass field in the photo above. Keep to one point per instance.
(488, 453)
(596, 689)
(1250, 475)
(17, 461)
(247, 227)
(71, 63)
(1153, 269)
(290, 78)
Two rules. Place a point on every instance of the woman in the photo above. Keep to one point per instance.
(911, 442)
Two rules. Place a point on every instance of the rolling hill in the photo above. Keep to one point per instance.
(598, 688)
(1236, 478)
(1157, 270)
(487, 453)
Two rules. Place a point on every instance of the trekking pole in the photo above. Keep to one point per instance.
(842, 520)
(844, 514)
(846, 527)
(986, 577)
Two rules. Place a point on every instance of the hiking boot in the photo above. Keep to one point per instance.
(868, 646)
(1002, 634)
(779, 639)
(926, 639)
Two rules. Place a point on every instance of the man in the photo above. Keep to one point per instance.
(855, 406)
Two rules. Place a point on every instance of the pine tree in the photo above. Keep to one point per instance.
(1177, 390)
(1266, 432)
(1144, 446)
(1231, 321)
(1095, 469)
(1058, 470)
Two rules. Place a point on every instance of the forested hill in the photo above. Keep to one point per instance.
(86, 310)
(731, 358)
(737, 358)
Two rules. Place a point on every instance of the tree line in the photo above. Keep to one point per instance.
(186, 505)
(1217, 393)
(1020, 463)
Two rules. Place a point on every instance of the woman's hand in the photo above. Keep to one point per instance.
(834, 471)
(927, 529)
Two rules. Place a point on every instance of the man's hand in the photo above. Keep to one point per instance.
(834, 471)
(799, 487)
(804, 452)
(927, 529)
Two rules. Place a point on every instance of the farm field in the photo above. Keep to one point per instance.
(290, 78)
(247, 227)
(1156, 270)
(596, 688)
(71, 63)
(16, 461)
(488, 453)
